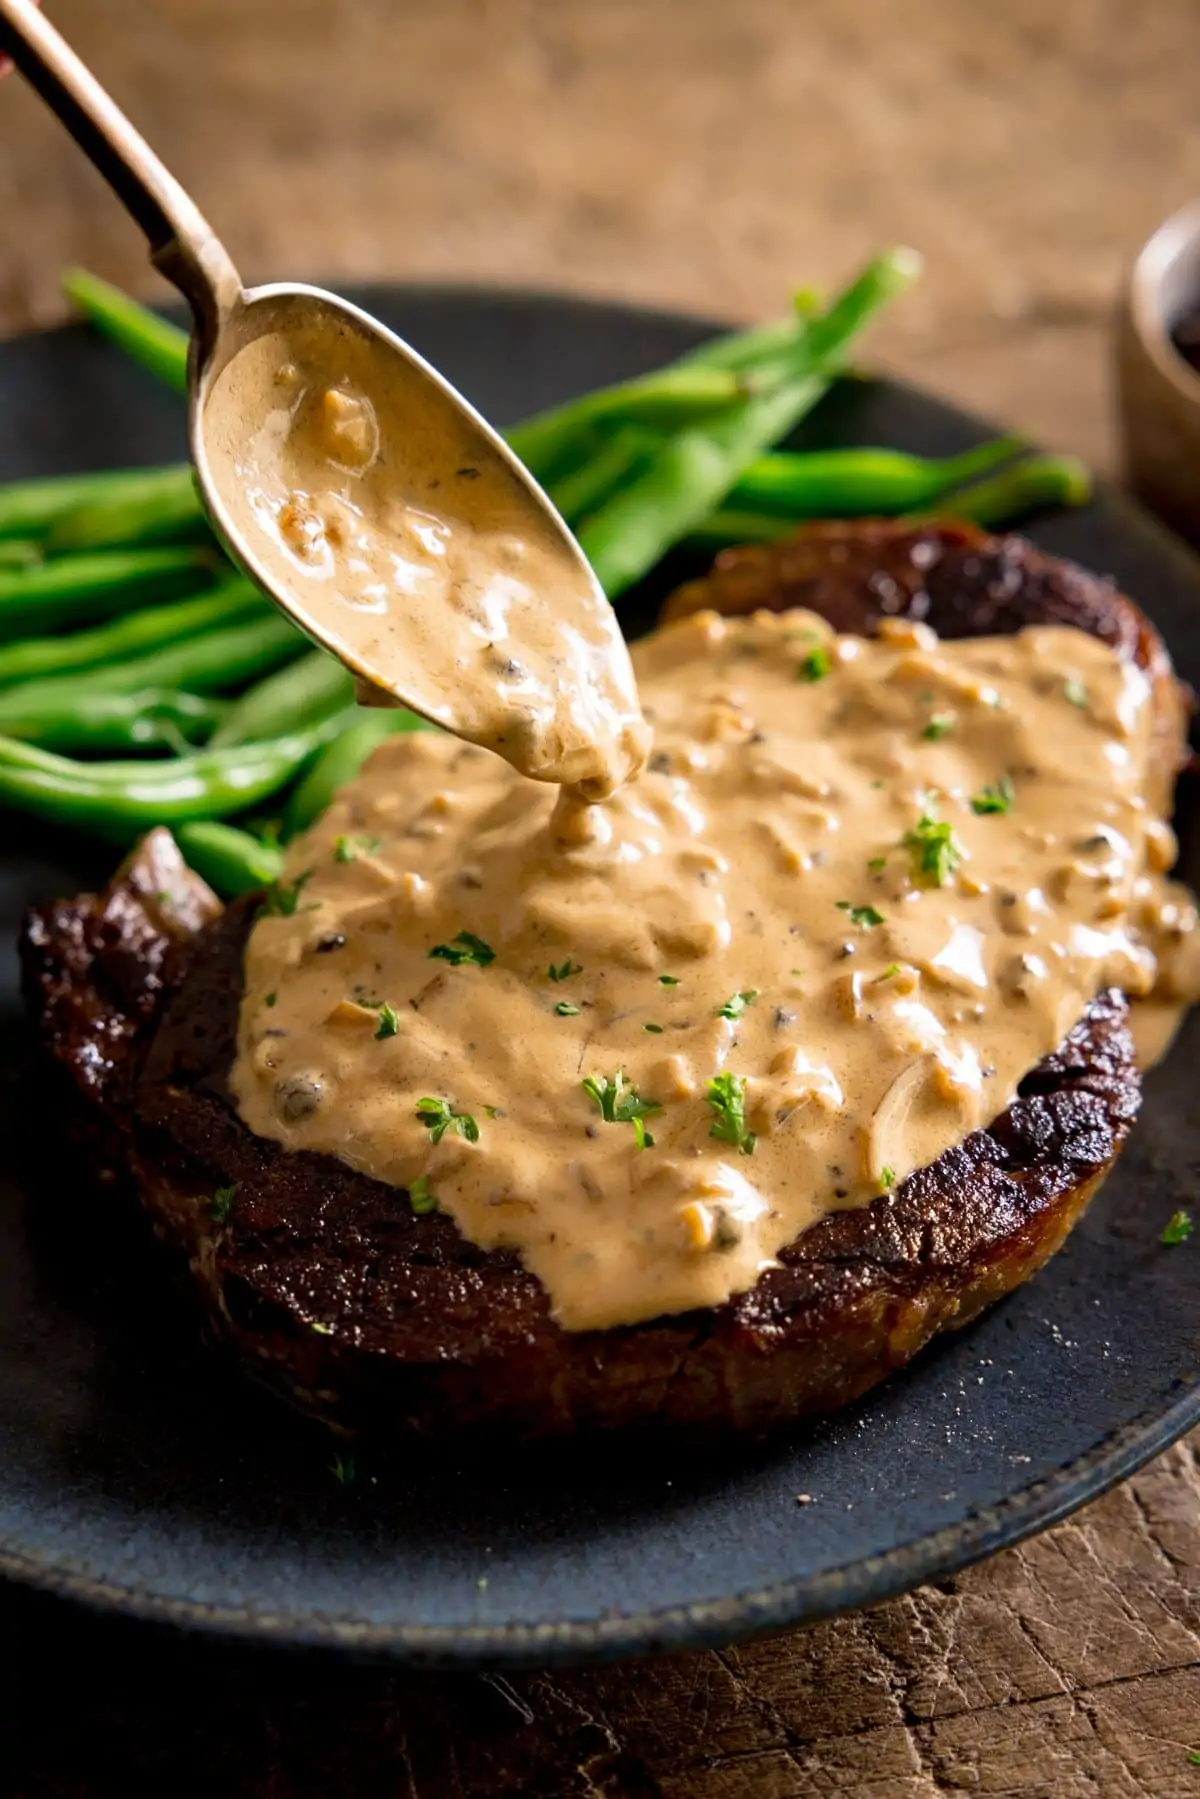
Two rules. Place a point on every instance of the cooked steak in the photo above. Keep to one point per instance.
(333, 1292)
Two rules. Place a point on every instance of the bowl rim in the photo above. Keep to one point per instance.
(1157, 255)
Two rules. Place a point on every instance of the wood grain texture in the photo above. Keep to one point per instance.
(700, 154)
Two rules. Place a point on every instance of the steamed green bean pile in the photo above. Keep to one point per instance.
(125, 633)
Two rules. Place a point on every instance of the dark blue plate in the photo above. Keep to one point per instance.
(138, 1474)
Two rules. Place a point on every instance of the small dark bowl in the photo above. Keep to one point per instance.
(1158, 388)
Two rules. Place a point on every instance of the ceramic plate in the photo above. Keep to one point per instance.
(136, 1472)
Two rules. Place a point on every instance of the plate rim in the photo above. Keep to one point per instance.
(707, 1624)
(759, 1611)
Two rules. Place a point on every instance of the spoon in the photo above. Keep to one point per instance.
(486, 618)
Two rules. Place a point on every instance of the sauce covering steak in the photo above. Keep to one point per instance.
(331, 1289)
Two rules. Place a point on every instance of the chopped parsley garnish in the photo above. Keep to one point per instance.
(283, 897)
(887, 1179)
(221, 1203)
(272, 999)
(343, 1469)
(655, 1030)
(726, 1094)
(877, 864)
(1178, 1229)
(1194, 1757)
(1075, 692)
(420, 1199)
(939, 726)
(815, 666)
(736, 1004)
(619, 1104)
(346, 849)
(493, 1111)
(563, 971)
(465, 948)
(565, 1009)
(389, 1022)
(936, 851)
(668, 980)
(891, 969)
(865, 917)
(439, 1116)
(998, 797)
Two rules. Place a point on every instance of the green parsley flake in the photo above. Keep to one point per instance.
(815, 666)
(343, 1470)
(347, 849)
(668, 980)
(618, 1104)
(1178, 1229)
(465, 948)
(887, 1179)
(420, 1199)
(221, 1203)
(565, 1009)
(439, 1116)
(564, 970)
(936, 851)
(726, 1094)
(736, 1004)
(1194, 1757)
(998, 797)
(389, 1022)
(939, 726)
(655, 1030)
(865, 917)
(891, 969)
(1075, 692)
(283, 897)
(272, 999)
(877, 864)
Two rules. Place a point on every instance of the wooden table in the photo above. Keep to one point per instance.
(705, 155)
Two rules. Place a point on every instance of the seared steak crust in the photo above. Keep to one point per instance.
(337, 1295)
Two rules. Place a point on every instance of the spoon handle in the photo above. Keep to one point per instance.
(182, 243)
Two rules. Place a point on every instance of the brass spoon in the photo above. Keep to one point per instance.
(229, 321)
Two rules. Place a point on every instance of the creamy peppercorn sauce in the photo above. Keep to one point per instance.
(862, 887)
(410, 545)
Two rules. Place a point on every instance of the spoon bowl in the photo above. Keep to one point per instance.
(400, 532)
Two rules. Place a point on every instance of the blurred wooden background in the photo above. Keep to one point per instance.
(706, 155)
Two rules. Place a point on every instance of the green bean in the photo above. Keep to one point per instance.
(1038, 481)
(599, 476)
(41, 658)
(1029, 486)
(31, 508)
(119, 800)
(342, 761)
(859, 483)
(663, 401)
(214, 662)
(83, 722)
(158, 346)
(172, 513)
(231, 861)
(693, 470)
(312, 687)
(73, 589)
(722, 528)
(19, 552)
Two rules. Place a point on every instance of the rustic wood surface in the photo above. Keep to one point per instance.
(705, 155)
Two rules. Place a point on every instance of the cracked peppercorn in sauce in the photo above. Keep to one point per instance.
(860, 890)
